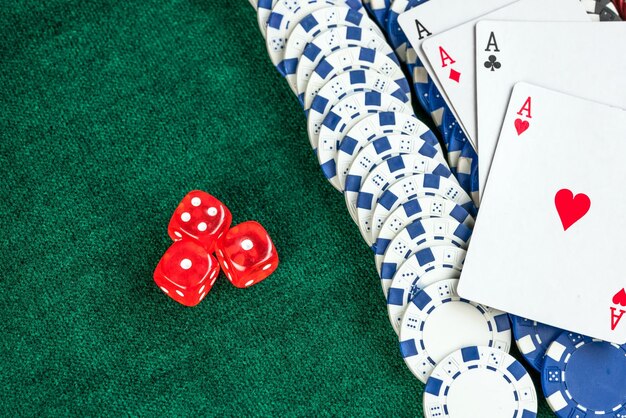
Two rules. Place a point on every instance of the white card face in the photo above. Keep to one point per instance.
(452, 54)
(433, 17)
(548, 242)
(580, 59)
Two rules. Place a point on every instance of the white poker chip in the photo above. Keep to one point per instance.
(347, 113)
(332, 40)
(419, 271)
(341, 86)
(381, 149)
(363, 196)
(375, 126)
(406, 189)
(422, 207)
(314, 24)
(263, 12)
(285, 16)
(480, 382)
(425, 159)
(416, 236)
(353, 58)
(438, 322)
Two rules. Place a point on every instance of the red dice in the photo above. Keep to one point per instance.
(247, 254)
(186, 272)
(200, 217)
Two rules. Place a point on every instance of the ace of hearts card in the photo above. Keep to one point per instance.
(548, 241)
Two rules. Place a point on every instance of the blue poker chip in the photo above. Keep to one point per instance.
(480, 382)
(467, 170)
(397, 37)
(533, 339)
(419, 76)
(583, 377)
(380, 10)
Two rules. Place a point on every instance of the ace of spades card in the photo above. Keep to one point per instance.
(548, 241)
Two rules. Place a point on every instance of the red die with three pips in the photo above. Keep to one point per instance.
(200, 226)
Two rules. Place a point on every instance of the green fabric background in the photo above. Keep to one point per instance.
(110, 112)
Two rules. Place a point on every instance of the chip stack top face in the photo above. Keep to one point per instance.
(438, 321)
(480, 382)
(583, 377)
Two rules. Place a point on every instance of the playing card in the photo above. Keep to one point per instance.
(582, 59)
(547, 244)
(452, 54)
(433, 17)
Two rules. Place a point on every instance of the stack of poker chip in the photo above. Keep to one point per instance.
(412, 197)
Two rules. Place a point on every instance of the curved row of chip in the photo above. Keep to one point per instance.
(413, 206)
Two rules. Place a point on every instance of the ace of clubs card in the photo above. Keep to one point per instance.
(452, 54)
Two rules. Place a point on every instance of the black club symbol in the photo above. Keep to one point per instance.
(492, 63)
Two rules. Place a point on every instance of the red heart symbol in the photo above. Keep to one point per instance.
(620, 298)
(521, 126)
(571, 208)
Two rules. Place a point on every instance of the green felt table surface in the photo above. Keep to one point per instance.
(110, 112)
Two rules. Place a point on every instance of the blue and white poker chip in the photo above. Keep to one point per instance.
(286, 14)
(361, 197)
(419, 271)
(438, 322)
(314, 24)
(417, 208)
(330, 41)
(382, 177)
(348, 112)
(353, 58)
(455, 142)
(454, 138)
(252, 3)
(480, 382)
(583, 377)
(396, 35)
(263, 12)
(411, 187)
(420, 206)
(418, 235)
(342, 86)
(375, 126)
(533, 339)
(380, 10)
(467, 171)
(419, 76)
(381, 149)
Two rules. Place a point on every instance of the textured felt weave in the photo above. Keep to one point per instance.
(110, 112)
